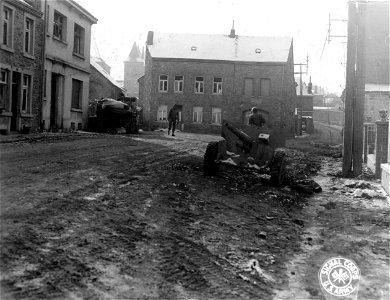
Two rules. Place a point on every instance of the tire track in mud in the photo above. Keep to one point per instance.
(188, 267)
(60, 234)
(138, 237)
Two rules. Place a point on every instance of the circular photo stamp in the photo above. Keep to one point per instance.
(339, 276)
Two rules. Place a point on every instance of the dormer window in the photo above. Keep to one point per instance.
(258, 50)
(193, 48)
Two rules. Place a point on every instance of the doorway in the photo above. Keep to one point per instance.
(54, 100)
(15, 100)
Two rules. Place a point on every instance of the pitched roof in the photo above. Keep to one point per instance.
(135, 54)
(94, 63)
(76, 4)
(220, 47)
(24, 2)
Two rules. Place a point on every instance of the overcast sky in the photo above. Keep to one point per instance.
(121, 22)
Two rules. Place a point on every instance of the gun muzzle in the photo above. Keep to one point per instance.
(246, 139)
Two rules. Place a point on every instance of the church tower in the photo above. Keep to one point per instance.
(134, 69)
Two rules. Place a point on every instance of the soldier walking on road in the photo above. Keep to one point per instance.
(173, 118)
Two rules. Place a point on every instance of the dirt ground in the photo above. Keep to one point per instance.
(91, 216)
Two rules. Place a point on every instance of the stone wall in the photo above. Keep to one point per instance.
(133, 71)
(16, 62)
(329, 116)
(233, 103)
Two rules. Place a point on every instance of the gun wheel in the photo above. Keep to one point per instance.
(278, 168)
(210, 167)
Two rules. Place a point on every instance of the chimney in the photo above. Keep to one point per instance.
(232, 32)
(149, 40)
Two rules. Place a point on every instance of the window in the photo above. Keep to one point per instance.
(216, 115)
(29, 36)
(162, 113)
(179, 82)
(4, 80)
(265, 87)
(198, 114)
(78, 46)
(163, 83)
(248, 87)
(7, 27)
(26, 93)
(77, 93)
(199, 85)
(217, 86)
(59, 27)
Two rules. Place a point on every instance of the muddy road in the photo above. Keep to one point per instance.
(132, 217)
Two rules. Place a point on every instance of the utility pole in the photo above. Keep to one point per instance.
(349, 91)
(358, 113)
(354, 92)
(330, 28)
(300, 76)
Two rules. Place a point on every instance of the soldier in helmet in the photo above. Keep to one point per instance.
(256, 117)
(173, 118)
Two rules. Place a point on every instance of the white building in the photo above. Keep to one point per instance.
(67, 64)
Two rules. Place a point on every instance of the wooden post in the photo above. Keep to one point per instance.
(349, 91)
(358, 113)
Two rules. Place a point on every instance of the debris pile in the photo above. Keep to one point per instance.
(324, 149)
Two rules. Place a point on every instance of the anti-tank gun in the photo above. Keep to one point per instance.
(252, 147)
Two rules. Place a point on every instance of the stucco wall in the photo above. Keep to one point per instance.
(61, 60)
(101, 87)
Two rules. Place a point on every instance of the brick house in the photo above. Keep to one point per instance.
(67, 65)
(217, 77)
(134, 68)
(101, 84)
(21, 55)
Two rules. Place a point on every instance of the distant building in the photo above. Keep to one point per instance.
(67, 65)
(21, 52)
(217, 77)
(101, 84)
(376, 59)
(304, 103)
(377, 97)
(134, 69)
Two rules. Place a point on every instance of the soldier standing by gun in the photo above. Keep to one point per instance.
(173, 118)
(256, 118)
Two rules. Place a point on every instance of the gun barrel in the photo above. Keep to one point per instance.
(246, 139)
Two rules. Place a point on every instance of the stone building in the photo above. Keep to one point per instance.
(217, 77)
(21, 55)
(67, 65)
(304, 103)
(101, 84)
(134, 69)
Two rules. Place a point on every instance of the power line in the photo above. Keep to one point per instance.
(323, 48)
